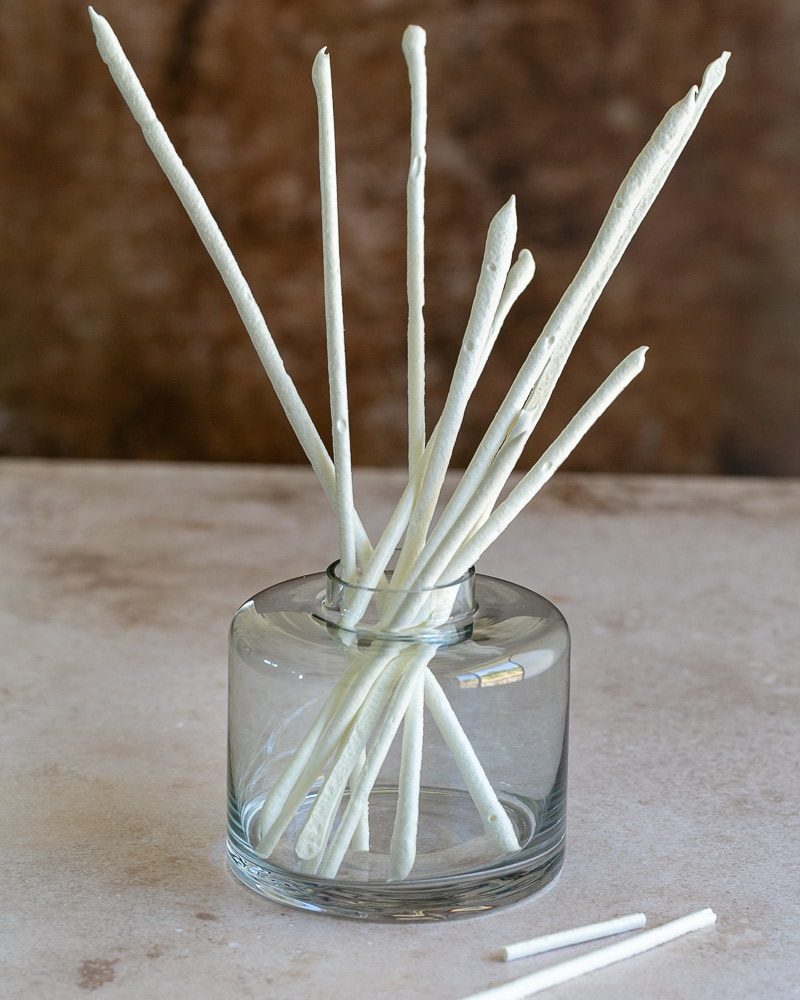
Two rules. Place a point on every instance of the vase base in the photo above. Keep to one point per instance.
(443, 886)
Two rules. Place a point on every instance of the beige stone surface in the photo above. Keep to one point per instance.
(118, 581)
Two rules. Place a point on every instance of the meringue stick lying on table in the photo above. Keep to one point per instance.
(599, 958)
(575, 935)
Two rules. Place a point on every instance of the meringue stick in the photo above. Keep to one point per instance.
(496, 264)
(209, 232)
(403, 846)
(598, 958)
(493, 816)
(310, 866)
(519, 277)
(404, 690)
(334, 318)
(631, 203)
(310, 841)
(414, 52)
(361, 836)
(317, 746)
(575, 935)
(542, 471)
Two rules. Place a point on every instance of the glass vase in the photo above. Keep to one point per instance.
(397, 755)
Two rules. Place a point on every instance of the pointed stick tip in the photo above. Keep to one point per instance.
(321, 65)
(509, 208)
(715, 71)
(505, 219)
(103, 33)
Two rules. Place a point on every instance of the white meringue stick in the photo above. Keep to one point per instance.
(403, 847)
(449, 534)
(496, 263)
(479, 467)
(542, 471)
(598, 958)
(316, 747)
(309, 866)
(519, 277)
(574, 935)
(310, 841)
(493, 816)
(414, 52)
(460, 542)
(361, 836)
(631, 203)
(485, 497)
(209, 232)
(334, 317)
(404, 690)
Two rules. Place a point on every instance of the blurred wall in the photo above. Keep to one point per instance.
(117, 338)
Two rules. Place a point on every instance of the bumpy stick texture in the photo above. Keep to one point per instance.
(559, 450)
(493, 816)
(403, 846)
(635, 196)
(334, 855)
(209, 232)
(414, 52)
(496, 263)
(334, 315)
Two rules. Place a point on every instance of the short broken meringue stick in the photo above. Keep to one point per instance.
(599, 958)
(575, 935)
(331, 773)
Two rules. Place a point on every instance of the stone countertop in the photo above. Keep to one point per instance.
(118, 583)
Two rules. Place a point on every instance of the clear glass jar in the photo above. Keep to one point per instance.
(472, 821)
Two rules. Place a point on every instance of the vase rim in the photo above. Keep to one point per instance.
(333, 576)
(443, 613)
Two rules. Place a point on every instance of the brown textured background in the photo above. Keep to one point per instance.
(117, 338)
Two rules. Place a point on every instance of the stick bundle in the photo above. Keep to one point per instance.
(363, 716)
